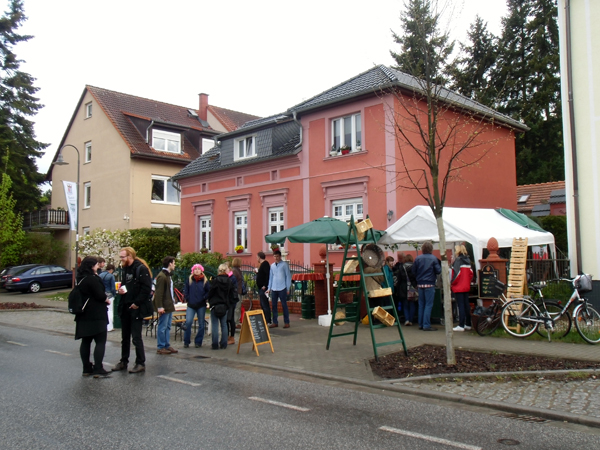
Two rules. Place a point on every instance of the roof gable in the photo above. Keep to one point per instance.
(231, 120)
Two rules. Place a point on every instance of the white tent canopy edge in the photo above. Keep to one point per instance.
(473, 225)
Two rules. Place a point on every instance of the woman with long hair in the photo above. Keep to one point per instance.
(195, 292)
(462, 274)
(235, 315)
(91, 324)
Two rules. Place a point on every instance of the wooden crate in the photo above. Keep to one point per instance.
(383, 316)
(383, 292)
(364, 225)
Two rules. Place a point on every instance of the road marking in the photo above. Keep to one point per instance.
(285, 405)
(430, 438)
(16, 343)
(58, 353)
(176, 380)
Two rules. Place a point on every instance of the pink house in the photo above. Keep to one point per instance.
(328, 156)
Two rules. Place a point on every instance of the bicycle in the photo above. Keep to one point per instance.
(521, 317)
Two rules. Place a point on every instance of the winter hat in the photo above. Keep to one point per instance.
(197, 266)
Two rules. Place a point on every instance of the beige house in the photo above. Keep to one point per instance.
(128, 148)
(580, 75)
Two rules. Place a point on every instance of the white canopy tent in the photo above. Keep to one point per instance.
(473, 225)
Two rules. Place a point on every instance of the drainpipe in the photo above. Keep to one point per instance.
(147, 130)
(573, 138)
(300, 125)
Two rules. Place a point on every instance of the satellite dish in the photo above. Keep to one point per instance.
(373, 256)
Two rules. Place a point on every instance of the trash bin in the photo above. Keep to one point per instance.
(437, 313)
(308, 307)
(116, 317)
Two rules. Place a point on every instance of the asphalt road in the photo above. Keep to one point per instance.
(194, 403)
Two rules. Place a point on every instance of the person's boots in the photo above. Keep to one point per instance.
(88, 369)
(230, 340)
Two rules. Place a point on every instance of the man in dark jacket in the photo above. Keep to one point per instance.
(164, 305)
(135, 289)
(426, 268)
(262, 284)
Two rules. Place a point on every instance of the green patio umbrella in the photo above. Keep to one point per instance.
(519, 218)
(325, 230)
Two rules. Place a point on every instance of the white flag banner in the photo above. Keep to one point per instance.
(71, 196)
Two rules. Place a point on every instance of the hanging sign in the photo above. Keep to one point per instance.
(71, 196)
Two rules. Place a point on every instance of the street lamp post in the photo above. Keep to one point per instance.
(61, 162)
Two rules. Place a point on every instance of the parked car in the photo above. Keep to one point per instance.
(33, 278)
(11, 270)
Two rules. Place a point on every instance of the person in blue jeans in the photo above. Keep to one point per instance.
(426, 268)
(280, 281)
(195, 292)
(220, 296)
(164, 305)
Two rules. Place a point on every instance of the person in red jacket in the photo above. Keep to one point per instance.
(462, 274)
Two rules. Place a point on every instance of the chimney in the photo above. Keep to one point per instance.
(203, 110)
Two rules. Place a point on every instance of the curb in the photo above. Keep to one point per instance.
(489, 375)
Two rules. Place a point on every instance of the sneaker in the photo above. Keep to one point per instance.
(138, 368)
(163, 351)
(173, 350)
(186, 345)
(119, 366)
(407, 323)
(459, 328)
(467, 328)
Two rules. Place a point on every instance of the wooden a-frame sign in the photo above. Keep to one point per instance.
(255, 330)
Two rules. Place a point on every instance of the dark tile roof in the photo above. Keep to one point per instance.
(379, 78)
(231, 120)
(537, 194)
(558, 196)
(123, 109)
(541, 210)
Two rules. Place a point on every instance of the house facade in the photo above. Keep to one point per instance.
(125, 149)
(332, 155)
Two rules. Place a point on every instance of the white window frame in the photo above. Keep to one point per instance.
(168, 137)
(88, 110)
(207, 144)
(245, 153)
(87, 152)
(206, 232)
(166, 191)
(356, 127)
(348, 207)
(87, 195)
(85, 231)
(240, 224)
(276, 223)
(164, 225)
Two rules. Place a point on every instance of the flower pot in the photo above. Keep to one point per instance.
(239, 251)
(333, 153)
(345, 152)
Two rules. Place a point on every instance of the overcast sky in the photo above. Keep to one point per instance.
(259, 57)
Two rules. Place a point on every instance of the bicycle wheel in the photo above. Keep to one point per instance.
(486, 325)
(517, 318)
(561, 325)
(587, 322)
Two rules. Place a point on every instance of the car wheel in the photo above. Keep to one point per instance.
(34, 287)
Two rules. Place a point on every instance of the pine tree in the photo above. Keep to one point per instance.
(471, 70)
(423, 47)
(17, 104)
(11, 226)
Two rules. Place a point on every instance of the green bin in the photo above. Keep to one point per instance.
(116, 317)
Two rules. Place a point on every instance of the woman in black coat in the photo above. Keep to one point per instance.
(90, 325)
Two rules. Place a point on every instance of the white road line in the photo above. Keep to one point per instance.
(58, 353)
(16, 343)
(176, 380)
(285, 405)
(430, 438)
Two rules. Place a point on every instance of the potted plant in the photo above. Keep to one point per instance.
(239, 248)
(203, 250)
(274, 247)
(333, 151)
(345, 149)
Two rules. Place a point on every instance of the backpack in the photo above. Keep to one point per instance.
(76, 303)
(147, 307)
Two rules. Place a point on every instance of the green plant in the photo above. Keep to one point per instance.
(274, 247)
(42, 248)
(153, 244)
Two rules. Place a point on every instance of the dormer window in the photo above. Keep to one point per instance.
(166, 141)
(245, 147)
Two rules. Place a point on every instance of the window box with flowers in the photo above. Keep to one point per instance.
(344, 149)
(239, 248)
(274, 247)
(203, 250)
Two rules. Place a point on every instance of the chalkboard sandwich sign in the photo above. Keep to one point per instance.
(489, 285)
(255, 330)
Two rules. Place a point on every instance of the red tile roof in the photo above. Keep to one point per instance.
(121, 109)
(538, 194)
(231, 120)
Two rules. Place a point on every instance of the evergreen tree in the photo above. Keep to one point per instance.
(527, 83)
(11, 226)
(471, 70)
(18, 146)
(424, 49)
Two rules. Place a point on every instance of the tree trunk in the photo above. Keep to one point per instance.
(447, 298)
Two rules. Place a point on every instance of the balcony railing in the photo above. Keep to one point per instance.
(57, 219)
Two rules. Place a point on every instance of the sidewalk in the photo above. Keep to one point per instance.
(301, 349)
